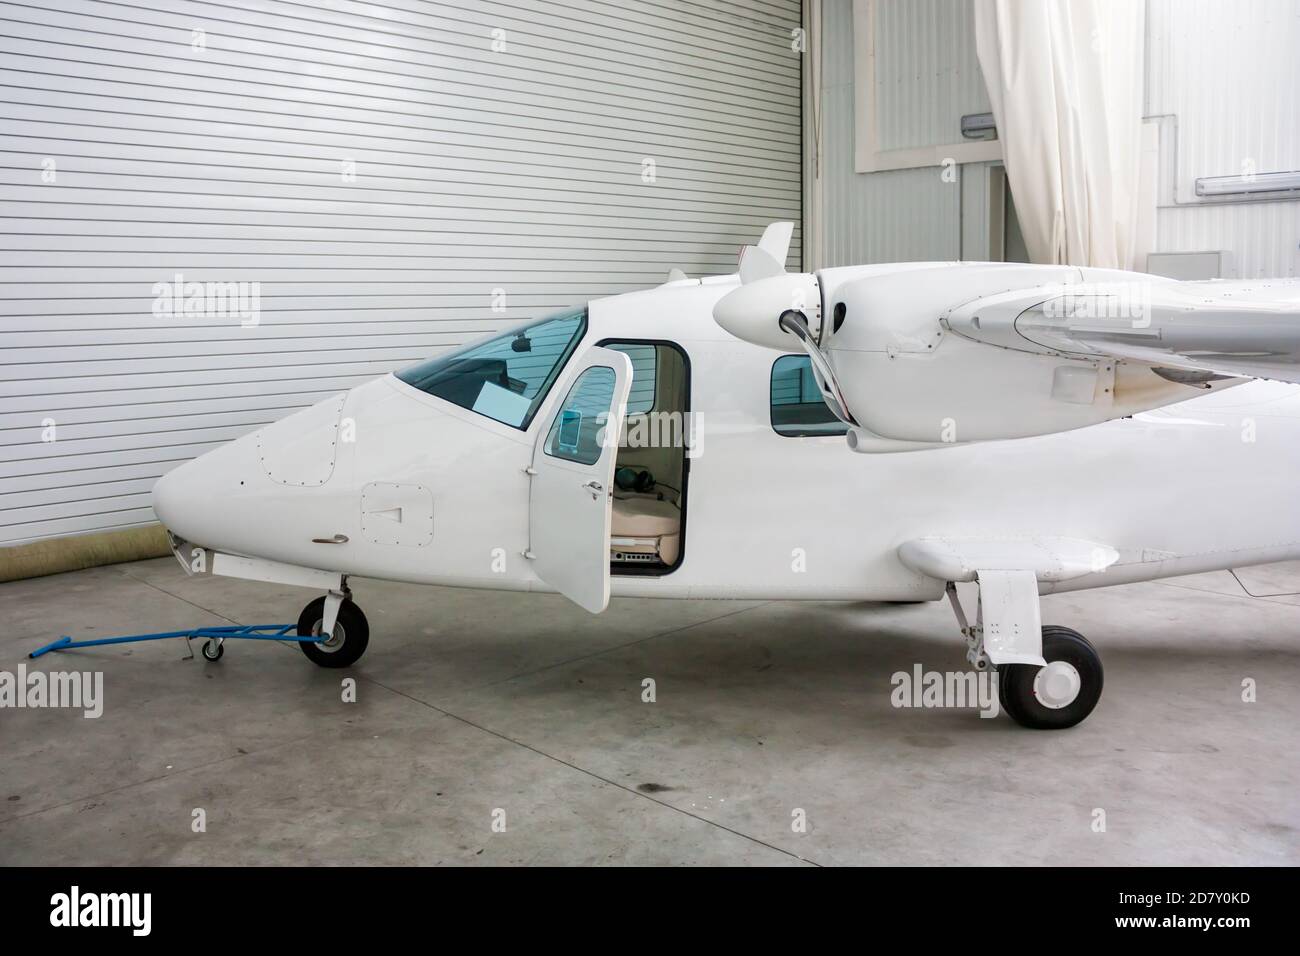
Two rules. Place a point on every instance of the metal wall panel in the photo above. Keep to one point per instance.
(892, 216)
(927, 72)
(130, 152)
(1228, 75)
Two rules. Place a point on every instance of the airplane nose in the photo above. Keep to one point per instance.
(263, 493)
(183, 499)
(167, 493)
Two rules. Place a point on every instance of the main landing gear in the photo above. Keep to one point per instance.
(336, 615)
(1053, 695)
(1058, 695)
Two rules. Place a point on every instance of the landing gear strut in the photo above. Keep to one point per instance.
(349, 631)
(1054, 695)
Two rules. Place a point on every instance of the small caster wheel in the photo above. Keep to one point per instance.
(1059, 695)
(213, 649)
(348, 642)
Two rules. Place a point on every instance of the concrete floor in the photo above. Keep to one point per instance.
(471, 702)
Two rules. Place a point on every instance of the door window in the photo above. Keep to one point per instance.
(578, 431)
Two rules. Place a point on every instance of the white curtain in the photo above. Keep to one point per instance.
(1066, 81)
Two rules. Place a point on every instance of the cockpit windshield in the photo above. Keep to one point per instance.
(506, 377)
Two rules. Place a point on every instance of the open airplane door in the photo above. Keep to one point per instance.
(573, 479)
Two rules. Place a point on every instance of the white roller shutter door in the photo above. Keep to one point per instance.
(385, 173)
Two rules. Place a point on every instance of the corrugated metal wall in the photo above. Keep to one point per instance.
(1229, 75)
(386, 172)
(927, 72)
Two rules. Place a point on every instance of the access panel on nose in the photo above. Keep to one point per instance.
(301, 449)
(400, 514)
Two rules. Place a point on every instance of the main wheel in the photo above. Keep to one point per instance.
(1059, 695)
(213, 649)
(346, 644)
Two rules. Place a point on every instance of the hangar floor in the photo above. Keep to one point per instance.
(469, 703)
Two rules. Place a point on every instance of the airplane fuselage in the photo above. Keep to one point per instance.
(1201, 485)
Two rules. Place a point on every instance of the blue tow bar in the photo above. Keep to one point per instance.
(245, 632)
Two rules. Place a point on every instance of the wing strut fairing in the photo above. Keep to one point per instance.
(1008, 570)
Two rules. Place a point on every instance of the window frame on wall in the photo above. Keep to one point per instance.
(868, 157)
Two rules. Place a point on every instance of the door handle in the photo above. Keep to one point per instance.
(595, 487)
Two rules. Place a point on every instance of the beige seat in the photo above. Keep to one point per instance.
(643, 527)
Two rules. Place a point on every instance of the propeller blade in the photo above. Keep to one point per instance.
(757, 263)
(776, 241)
(795, 323)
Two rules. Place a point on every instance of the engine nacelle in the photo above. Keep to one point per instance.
(902, 347)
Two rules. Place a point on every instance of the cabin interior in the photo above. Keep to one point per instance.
(648, 513)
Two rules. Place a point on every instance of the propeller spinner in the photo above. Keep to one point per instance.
(783, 311)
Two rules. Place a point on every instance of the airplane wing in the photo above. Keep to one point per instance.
(899, 349)
(1199, 329)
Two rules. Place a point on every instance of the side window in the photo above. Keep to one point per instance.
(645, 366)
(798, 409)
(579, 428)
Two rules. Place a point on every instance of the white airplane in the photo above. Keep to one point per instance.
(1005, 416)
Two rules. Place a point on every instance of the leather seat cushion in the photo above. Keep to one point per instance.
(644, 518)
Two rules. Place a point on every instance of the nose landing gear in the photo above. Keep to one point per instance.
(349, 634)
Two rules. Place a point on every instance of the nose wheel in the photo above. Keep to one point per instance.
(345, 643)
